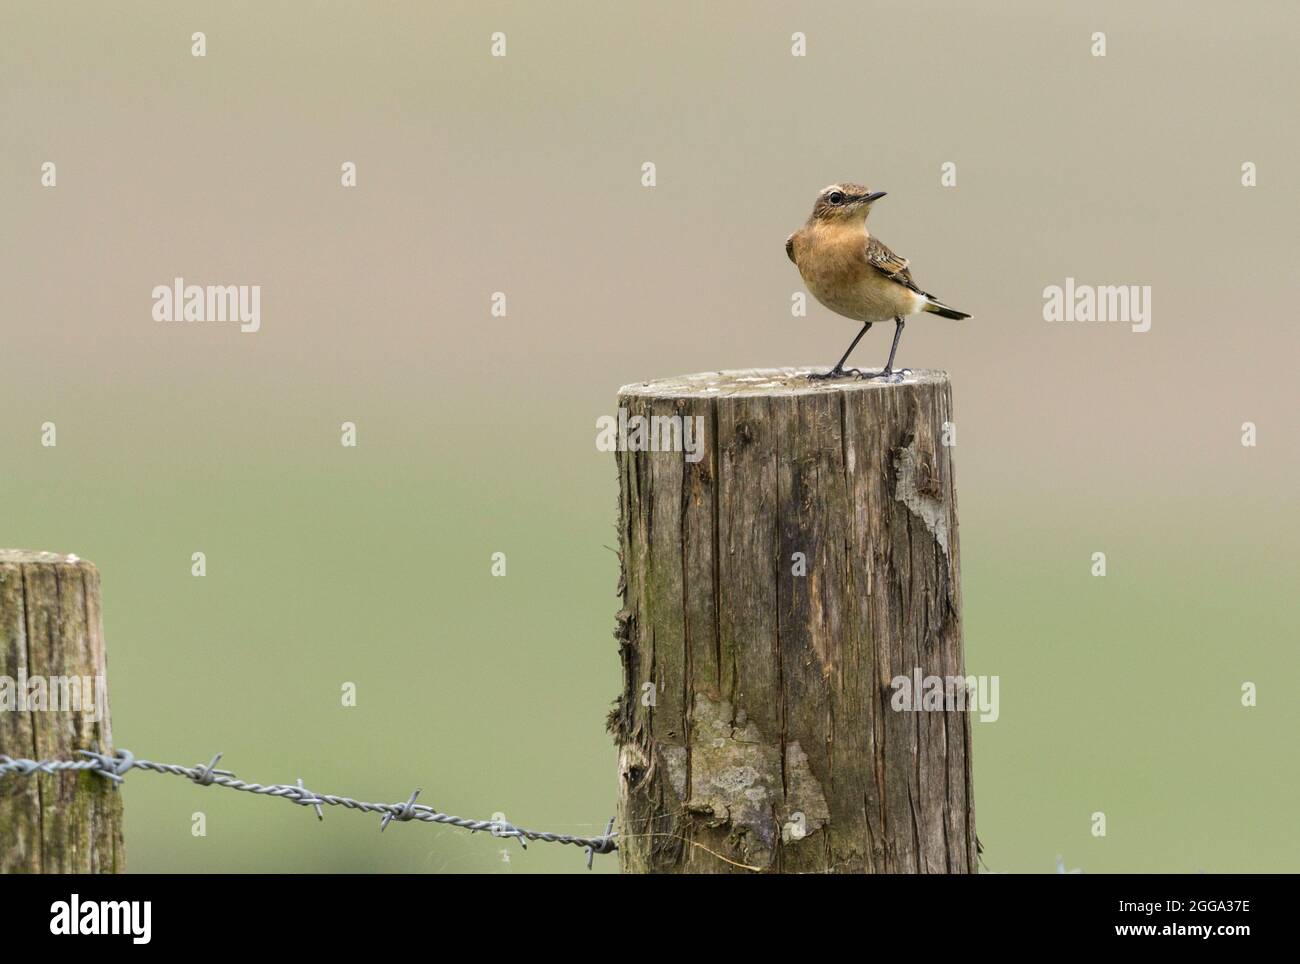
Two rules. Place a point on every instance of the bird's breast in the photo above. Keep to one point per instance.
(837, 276)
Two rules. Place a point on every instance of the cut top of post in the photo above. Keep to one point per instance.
(27, 557)
(770, 381)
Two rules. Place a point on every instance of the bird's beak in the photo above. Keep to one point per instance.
(874, 196)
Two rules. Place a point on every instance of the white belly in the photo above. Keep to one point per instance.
(873, 301)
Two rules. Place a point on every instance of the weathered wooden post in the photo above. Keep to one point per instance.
(772, 591)
(53, 702)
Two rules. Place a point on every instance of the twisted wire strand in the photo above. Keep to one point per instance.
(116, 767)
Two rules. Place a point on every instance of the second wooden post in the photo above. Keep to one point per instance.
(54, 702)
(789, 553)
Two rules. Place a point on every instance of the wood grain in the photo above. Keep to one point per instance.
(766, 740)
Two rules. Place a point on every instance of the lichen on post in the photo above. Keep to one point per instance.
(775, 584)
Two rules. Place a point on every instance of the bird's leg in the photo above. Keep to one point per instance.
(839, 368)
(888, 371)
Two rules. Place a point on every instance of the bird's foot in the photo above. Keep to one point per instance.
(834, 373)
(891, 375)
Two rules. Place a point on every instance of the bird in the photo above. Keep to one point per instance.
(856, 275)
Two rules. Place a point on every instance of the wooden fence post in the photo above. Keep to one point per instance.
(774, 583)
(53, 702)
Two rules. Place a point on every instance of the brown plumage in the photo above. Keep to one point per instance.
(854, 274)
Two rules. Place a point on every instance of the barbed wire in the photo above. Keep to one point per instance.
(116, 767)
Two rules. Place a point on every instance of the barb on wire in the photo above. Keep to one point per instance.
(116, 767)
(309, 800)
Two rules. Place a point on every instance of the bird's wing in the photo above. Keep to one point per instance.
(789, 248)
(892, 266)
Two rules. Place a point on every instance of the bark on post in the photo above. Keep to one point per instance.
(755, 726)
(52, 659)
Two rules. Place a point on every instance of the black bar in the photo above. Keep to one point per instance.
(970, 915)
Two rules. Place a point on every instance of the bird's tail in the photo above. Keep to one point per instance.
(937, 307)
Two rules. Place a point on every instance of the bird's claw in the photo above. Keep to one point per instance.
(834, 373)
(891, 375)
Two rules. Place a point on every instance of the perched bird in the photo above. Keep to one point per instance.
(854, 274)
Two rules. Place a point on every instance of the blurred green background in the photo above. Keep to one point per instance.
(476, 434)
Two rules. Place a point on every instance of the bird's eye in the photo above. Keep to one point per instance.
(836, 197)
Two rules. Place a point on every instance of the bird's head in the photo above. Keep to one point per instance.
(844, 202)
